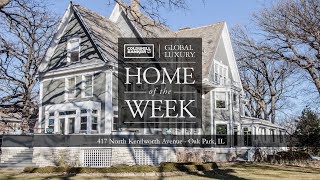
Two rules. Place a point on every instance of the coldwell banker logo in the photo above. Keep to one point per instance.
(138, 51)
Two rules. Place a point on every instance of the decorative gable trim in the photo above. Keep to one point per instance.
(226, 40)
(71, 10)
(56, 38)
(119, 10)
(88, 32)
(230, 54)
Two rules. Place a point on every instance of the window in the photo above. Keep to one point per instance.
(235, 101)
(87, 85)
(73, 49)
(50, 128)
(70, 112)
(255, 133)
(281, 137)
(115, 122)
(83, 111)
(220, 73)
(235, 136)
(83, 123)
(247, 137)
(264, 133)
(221, 100)
(272, 135)
(71, 87)
(221, 131)
(51, 113)
(62, 113)
(94, 123)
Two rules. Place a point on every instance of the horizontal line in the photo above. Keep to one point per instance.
(134, 92)
(162, 122)
(183, 92)
(160, 62)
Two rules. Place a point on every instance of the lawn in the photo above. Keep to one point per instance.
(226, 171)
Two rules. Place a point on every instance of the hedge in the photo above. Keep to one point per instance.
(164, 167)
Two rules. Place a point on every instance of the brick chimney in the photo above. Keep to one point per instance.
(135, 7)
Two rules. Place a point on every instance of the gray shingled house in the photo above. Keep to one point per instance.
(78, 90)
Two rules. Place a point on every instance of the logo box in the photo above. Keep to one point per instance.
(165, 81)
(138, 51)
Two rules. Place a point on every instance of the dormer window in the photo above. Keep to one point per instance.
(73, 49)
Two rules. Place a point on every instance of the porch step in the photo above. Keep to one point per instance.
(21, 159)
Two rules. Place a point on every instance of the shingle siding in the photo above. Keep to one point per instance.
(53, 91)
(206, 113)
(87, 51)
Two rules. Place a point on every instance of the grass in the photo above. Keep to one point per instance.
(225, 171)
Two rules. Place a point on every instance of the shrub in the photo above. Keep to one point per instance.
(164, 167)
(289, 156)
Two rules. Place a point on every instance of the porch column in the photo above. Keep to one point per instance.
(108, 102)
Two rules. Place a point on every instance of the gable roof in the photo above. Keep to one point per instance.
(103, 32)
(210, 38)
(210, 34)
(148, 27)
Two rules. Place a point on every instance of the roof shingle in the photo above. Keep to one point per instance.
(105, 34)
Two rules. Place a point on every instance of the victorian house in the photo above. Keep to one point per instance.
(78, 88)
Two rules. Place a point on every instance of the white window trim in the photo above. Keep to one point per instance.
(215, 100)
(115, 108)
(221, 65)
(67, 88)
(68, 56)
(75, 106)
(87, 123)
(221, 123)
(98, 120)
(83, 89)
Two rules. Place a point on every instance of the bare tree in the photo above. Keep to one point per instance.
(290, 31)
(265, 80)
(23, 43)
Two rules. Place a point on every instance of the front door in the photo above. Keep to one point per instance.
(62, 126)
(71, 121)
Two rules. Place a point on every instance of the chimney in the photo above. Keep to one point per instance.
(135, 7)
